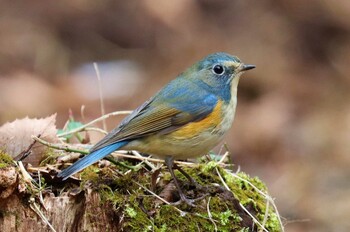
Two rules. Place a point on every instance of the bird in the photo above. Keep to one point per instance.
(186, 119)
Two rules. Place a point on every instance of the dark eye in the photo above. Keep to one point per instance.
(218, 69)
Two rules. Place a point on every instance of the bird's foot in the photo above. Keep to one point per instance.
(188, 201)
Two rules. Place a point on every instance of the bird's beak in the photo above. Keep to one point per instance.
(246, 67)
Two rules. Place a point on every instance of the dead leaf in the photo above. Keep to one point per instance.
(16, 137)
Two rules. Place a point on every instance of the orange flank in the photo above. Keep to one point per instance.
(195, 128)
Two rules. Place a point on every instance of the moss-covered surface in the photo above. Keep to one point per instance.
(127, 203)
(5, 160)
(217, 210)
(49, 157)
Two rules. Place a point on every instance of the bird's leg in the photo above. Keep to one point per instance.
(193, 181)
(169, 161)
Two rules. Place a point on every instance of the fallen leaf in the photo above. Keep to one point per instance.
(16, 137)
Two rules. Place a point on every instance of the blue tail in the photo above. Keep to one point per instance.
(90, 159)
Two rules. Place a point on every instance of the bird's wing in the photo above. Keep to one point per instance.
(167, 111)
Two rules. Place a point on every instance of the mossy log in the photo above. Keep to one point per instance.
(107, 200)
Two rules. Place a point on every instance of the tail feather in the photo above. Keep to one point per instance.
(90, 159)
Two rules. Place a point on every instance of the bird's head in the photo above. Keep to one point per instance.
(218, 71)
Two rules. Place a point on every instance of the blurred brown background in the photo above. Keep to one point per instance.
(292, 126)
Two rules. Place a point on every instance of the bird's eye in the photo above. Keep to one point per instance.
(218, 69)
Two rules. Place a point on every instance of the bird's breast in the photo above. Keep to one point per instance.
(228, 108)
(205, 125)
(228, 114)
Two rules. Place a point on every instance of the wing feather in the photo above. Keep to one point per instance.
(166, 112)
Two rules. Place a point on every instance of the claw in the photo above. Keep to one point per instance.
(190, 202)
(185, 200)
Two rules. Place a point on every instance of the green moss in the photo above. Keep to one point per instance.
(3, 165)
(273, 222)
(167, 217)
(249, 196)
(208, 167)
(90, 174)
(49, 157)
(225, 216)
(204, 174)
(131, 212)
(137, 222)
(5, 160)
(142, 212)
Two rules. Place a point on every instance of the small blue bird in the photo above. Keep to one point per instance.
(185, 119)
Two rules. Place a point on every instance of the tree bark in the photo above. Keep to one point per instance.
(83, 212)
